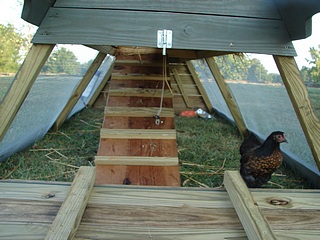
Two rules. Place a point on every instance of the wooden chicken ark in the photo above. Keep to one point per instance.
(142, 91)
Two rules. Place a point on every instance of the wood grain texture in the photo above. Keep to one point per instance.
(139, 28)
(138, 212)
(301, 103)
(68, 218)
(116, 122)
(139, 175)
(137, 111)
(136, 161)
(138, 147)
(228, 97)
(79, 90)
(138, 133)
(254, 223)
(134, 101)
(247, 8)
(22, 84)
(139, 92)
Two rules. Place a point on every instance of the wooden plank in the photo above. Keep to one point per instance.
(104, 49)
(254, 223)
(139, 28)
(138, 147)
(101, 86)
(138, 63)
(139, 92)
(254, 8)
(136, 161)
(79, 90)
(227, 95)
(200, 86)
(144, 84)
(69, 216)
(301, 103)
(137, 111)
(181, 87)
(139, 175)
(117, 122)
(116, 76)
(132, 101)
(138, 133)
(22, 84)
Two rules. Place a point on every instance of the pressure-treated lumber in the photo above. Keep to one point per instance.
(227, 95)
(200, 86)
(301, 103)
(257, 8)
(136, 161)
(181, 87)
(138, 111)
(128, 212)
(79, 90)
(139, 92)
(68, 218)
(139, 28)
(138, 133)
(101, 86)
(22, 84)
(254, 223)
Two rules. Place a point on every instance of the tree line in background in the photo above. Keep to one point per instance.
(13, 47)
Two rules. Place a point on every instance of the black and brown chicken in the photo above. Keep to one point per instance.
(259, 161)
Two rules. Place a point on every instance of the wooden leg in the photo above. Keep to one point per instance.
(79, 90)
(301, 103)
(22, 84)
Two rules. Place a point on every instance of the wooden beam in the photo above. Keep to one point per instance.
(139, 92)
(104, 49)
(79, 90)
(104, 81)
(136, 160)
(116, 76)
(301, 103)
(68, 218)
(138, 133)
(22, 84)
(139, 28)
(254, 223)
(137, 111)
(181, 87)
(200, 86)
(253, 9)
(227, 95)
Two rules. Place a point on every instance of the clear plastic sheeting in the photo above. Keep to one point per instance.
(93, 85)
(43, 105)
(265, 108)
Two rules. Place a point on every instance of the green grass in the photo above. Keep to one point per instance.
(206, 149)
(58, 155)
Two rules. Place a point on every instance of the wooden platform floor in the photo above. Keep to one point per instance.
(27, 209)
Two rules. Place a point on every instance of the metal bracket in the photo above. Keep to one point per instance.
(164, 40)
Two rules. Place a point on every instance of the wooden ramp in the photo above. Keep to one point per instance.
(50, 210)
(133, 148)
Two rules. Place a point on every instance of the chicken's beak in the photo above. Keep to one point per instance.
(285, 140)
